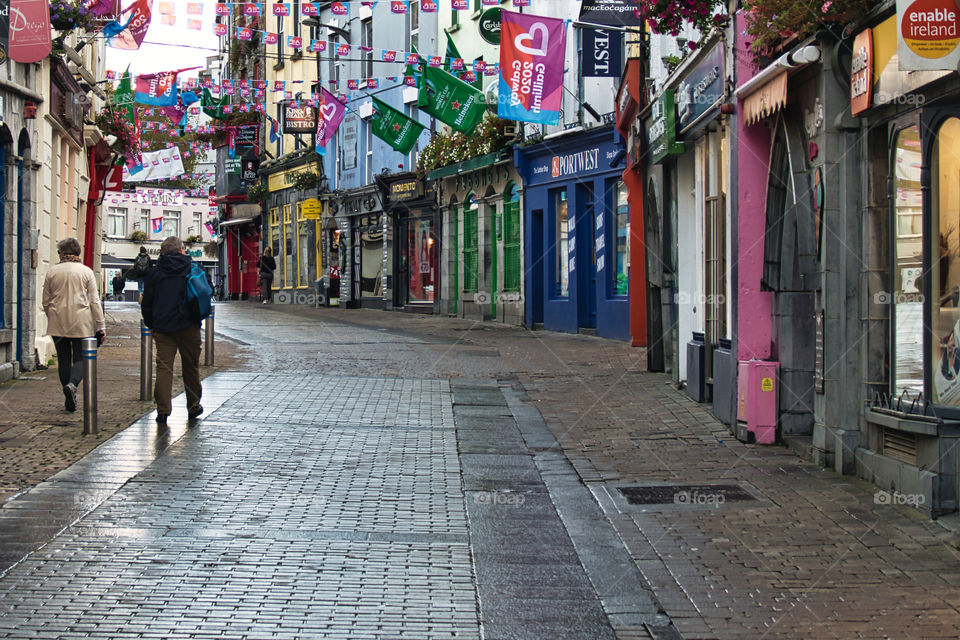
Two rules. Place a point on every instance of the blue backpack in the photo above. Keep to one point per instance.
(197, 294)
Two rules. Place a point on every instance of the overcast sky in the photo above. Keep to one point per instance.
(174, 47)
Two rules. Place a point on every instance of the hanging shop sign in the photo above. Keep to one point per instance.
(406, 190)
(861, 72)
(614, 13)
(489, 25)
(663, 129)
(928, 35)
(299, 119)
(601, 53)
(311, 209)
(701, 90)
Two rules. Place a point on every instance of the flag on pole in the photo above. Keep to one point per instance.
(156, 224)
(531, 67)
(123, 103)
(329, 116)
(451, 101)
(393, 127)
(213, 107)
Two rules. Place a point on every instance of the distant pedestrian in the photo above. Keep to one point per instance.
(118, 283)
(72, 305)
(141, 269)
(172, 329)
(267, 266)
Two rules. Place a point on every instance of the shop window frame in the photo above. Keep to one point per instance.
(610, 238)
(471, 243)
(512, 238)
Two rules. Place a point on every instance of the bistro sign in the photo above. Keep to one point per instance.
(299, 119)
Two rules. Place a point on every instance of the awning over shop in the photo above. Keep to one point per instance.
(766, 100)
(108, 261)
(766, 93)
(237, 221)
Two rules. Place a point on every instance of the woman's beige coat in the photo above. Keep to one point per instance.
(71, 301)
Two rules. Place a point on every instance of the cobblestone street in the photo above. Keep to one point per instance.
(363, 474)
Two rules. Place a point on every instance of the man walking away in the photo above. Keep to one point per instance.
(165, 314)
(141, 270)
(267, 266)
(72, 305)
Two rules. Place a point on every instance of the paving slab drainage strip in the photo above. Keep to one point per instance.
(641, 497)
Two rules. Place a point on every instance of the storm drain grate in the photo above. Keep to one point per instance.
(685, 494)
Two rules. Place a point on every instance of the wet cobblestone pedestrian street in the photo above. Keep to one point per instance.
(365, 474)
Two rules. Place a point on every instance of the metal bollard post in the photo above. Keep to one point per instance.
(89, 351)
(208, 339)
(146, 363)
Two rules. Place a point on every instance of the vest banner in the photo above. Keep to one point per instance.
(532, 50)
(600, 55)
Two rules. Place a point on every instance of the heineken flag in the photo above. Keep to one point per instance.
(451, 101)
(451, 54)
(394, 128)
(213, 107)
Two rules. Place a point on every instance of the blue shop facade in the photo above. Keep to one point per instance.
(576, 230)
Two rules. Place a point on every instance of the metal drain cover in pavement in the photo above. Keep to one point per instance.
(685, 494)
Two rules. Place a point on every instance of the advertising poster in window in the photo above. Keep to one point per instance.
(946, 376)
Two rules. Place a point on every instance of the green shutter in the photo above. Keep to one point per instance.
(511, 246)
(470, 250)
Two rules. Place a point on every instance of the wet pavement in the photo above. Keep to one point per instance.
(365, 474)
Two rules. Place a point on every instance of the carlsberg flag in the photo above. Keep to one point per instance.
(394, 128)
(329, 116)
(532, 52)
(451, 101)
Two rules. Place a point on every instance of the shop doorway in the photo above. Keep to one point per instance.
(335, 253)
(586, 255)
(535, 282)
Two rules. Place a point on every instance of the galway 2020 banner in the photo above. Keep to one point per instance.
(532, 50)
(329, 116)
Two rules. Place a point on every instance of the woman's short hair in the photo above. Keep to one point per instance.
(69, 247)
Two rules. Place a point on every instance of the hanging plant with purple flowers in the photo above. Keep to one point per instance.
(773, 23)
(67, 16)
(671, 16)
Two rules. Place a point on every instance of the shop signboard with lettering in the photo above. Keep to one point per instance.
(928, 35)
(571, 162)
(861, 72)
(299, 118)
(663, 129)
(700, 90)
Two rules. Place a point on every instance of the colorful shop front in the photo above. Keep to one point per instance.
(352, 244)
(909, 107)
(480, 202)
(240, 220)
(293, 229)
(411, 243)
(576, 228)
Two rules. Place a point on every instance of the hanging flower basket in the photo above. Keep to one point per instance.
(672, 16)
(773, 23)
(67, 16)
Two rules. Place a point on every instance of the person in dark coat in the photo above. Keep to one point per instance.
(118, 283)
(165, 316)
(267, 266)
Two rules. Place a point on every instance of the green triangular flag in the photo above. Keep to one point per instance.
(451, 101)
(393, 127)
(451, 54)
(123, 98)
(212, 107)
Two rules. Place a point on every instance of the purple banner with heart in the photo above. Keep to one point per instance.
(532, 50)
(329, 116)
